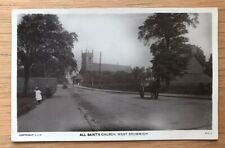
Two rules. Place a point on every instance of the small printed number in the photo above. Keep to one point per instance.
(38, 135)
(208, 133)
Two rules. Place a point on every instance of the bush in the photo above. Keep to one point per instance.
(48, 92)
(42, 83)
(115, 86)
(65, 86)
(197, 89)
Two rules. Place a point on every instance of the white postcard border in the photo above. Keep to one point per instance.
(115, 135)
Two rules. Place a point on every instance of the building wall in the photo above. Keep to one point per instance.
(87, 60)
(195, 74)
(194, 66)
(110, 67)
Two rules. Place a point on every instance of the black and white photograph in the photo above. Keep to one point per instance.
(96, 74)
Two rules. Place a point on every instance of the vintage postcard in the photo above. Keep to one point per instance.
(114, 74)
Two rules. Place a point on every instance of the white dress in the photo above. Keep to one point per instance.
(38, 95)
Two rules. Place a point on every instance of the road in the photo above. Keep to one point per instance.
(80, 109)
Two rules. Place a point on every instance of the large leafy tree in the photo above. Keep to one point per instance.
(138, 73)
(165, 33)
(41, 39)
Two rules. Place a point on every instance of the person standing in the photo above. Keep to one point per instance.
(38, 96)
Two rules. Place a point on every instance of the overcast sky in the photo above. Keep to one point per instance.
(116, 37)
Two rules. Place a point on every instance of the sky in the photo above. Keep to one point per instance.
(116, 37)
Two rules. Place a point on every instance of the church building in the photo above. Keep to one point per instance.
(87, 64)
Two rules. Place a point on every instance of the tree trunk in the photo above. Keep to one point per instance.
(167, 43)
(44, 67)
(26, 79)
(157, 87)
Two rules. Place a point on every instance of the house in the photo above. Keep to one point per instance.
(194, 74)
(194, 81)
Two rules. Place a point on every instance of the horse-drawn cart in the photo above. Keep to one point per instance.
(151, 86)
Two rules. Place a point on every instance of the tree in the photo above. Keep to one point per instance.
(164, 34)
(41, 39)
(138, 73)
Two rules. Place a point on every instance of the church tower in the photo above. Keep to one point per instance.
(87, 61)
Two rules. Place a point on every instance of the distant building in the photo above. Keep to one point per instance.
(87, 64)
(72, 76)
(194, 81)
(194, 74)
(87, 60)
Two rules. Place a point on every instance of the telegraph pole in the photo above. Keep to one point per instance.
(100, 64)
